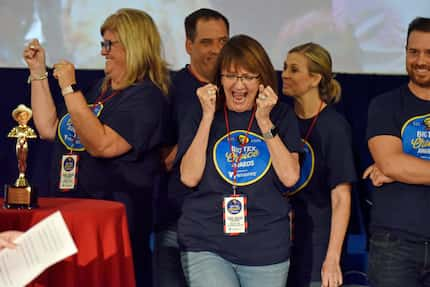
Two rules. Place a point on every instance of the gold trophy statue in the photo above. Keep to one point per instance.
(21, 194)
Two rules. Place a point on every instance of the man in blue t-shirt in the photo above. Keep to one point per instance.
(399, 140)
(206, 33)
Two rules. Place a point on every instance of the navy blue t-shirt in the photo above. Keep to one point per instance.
(400, 207)
(328, 161)
(201, 224)
(183, 100)
(138, 114)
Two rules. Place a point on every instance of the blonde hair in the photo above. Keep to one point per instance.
(139, 35)
(319, 62)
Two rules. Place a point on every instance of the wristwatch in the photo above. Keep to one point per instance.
(69, 89)
(271, 133)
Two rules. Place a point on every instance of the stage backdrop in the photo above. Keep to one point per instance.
(364, 36)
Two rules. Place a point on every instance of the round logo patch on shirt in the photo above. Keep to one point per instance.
(66, 130)
(416, 137)
(255, 158)
(306, 169)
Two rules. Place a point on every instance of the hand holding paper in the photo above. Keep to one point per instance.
(41, 246)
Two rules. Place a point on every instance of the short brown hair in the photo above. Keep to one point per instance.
(246, 52)
(418, 24)
(202, 14)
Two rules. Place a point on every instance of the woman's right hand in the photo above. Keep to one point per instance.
(207, 98)
(34, 56)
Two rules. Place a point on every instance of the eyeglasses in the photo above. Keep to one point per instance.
(246, 79)
(107, 44)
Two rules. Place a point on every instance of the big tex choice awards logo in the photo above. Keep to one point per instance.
(416, 136)
(254, 161)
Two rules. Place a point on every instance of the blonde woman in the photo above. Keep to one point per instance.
(321, 198)
(106, 140)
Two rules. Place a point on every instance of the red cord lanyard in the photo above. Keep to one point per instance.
(100, 100)
(314, 121)
(235, 160)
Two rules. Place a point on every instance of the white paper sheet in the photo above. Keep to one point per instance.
(41, 246)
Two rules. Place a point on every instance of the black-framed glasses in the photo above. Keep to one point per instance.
(107, 44)
(247, 79)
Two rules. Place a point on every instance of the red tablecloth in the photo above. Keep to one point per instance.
(99, 229)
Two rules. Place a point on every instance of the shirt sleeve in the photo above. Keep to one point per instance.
(285, 119)
(141, 119)
(380, 118)
(339, 155)
(187, 130)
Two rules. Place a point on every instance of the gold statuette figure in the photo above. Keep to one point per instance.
(21, 194)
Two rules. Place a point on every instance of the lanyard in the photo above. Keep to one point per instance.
(98, 102)
(314, 121)
(235, 160)
(101, 100)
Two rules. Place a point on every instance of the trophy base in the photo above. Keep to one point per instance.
(20, 197)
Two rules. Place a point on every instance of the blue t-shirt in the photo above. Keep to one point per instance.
(138, 114)
(201, 224)
(327, 162)
(400, 207)
(183, 100)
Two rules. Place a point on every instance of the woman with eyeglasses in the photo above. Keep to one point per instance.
(321, 198)
(107, 139)
(236, 153)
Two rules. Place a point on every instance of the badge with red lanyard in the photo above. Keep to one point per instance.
(69, 138)
(234, 206)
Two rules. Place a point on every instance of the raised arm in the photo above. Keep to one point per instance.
(194, 160)
(43, 106)
(98, 139)
(387, 152)
(285, 163)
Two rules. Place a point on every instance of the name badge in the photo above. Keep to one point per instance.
(235, 215)
(68, 172)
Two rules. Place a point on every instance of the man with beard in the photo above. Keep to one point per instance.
(206, 32)
(398, 135)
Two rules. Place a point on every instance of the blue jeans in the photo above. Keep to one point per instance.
(206, 269)
(397, 262)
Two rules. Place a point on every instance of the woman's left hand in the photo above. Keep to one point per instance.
(266, 100)
(64, 72)
(331, 274)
